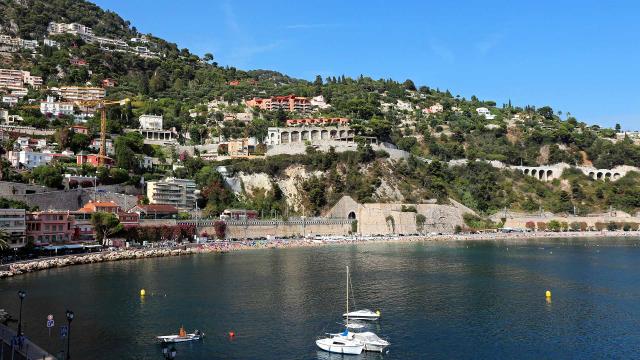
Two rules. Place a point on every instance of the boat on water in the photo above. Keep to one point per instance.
(364, 314)
(182, 336)
(341, 343)
(371, 341)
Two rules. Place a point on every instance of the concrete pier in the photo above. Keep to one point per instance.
(28, 350)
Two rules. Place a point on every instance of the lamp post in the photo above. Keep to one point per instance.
(169, 354)
(70, 316)
(21, 294)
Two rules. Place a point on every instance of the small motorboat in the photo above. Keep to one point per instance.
(364, 314)
(371, 341)
(181, 337)
(340, 344)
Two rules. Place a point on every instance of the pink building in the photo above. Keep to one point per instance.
(51, 227)
(288, 103)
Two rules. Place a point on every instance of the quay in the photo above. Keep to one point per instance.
(28, 350)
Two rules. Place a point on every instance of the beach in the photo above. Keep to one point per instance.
(222, 247)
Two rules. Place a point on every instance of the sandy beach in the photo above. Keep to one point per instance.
(222, 247)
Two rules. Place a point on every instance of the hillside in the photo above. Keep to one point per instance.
(431, 124)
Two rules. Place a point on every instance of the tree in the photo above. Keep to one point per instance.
(4, 240)
(208, 57)
(47, 175)
(221, 229)
(105, 225)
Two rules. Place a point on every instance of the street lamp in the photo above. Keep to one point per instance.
(21, 295)
(69, 319)
(169, 354)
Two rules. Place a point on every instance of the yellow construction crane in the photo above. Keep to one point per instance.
(102, 105)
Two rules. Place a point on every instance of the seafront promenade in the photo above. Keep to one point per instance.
(27, 351)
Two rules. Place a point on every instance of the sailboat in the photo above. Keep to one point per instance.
(369, 340)
(342, 343)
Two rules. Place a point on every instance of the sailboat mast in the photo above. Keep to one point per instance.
(347, 294)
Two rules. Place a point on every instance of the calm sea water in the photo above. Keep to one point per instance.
(466, 300)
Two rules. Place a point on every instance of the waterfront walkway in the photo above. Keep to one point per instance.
(28, 350)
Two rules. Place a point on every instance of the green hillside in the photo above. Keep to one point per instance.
(177, 81)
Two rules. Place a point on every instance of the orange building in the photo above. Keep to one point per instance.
(288, 103)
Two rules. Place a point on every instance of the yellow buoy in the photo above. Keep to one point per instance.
(378, 312)
(548, 293)
(142, 292)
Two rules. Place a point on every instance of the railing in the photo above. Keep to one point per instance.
(26, 351)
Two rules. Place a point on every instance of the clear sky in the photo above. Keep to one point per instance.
(581, 57)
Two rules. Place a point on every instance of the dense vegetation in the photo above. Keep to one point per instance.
(179, 81)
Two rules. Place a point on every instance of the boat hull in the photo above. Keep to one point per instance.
(339, 347)
(179, 339)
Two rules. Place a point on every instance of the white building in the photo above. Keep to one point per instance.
(433, 109)
(51, 43)
(150, 122)
(10, 100)
(12, 221)
(319, 102)
(95, 145)
(28, 158)
(73, 28)
(55, 108)
(172, 191)
(483, 111)
(404, 105)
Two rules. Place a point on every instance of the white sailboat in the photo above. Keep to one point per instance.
(369, 340)
(342, 343)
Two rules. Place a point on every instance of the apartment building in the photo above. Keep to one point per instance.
(290, 103)
(29, 159)
(150, 122)
(18, 79)
(172, 191)
(51, 107)
(50, 227)
(12, 221)
(73, 28)
(81, 93)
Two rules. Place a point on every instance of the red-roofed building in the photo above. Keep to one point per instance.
(234, 83)
(93, 159)
(79, 129)
(102, 206)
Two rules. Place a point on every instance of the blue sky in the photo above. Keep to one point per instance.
(576, 56)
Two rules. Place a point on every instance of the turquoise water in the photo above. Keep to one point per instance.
(465, 300)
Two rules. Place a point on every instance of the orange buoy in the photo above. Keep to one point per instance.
(232, 334)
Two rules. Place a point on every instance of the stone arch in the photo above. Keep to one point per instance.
(304, 135)
(315, 135)
(351, 215)
(324, 134)
(549, 174)
(295, 136)
(541, 174)
(616, 176)
(333, 134)
(526, 171)
(534, 172)
(607, 176)
(592, 175)
(284, 137)
(342, 133)
(599, 175)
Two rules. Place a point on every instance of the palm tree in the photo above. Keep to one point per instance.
(4, 240)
